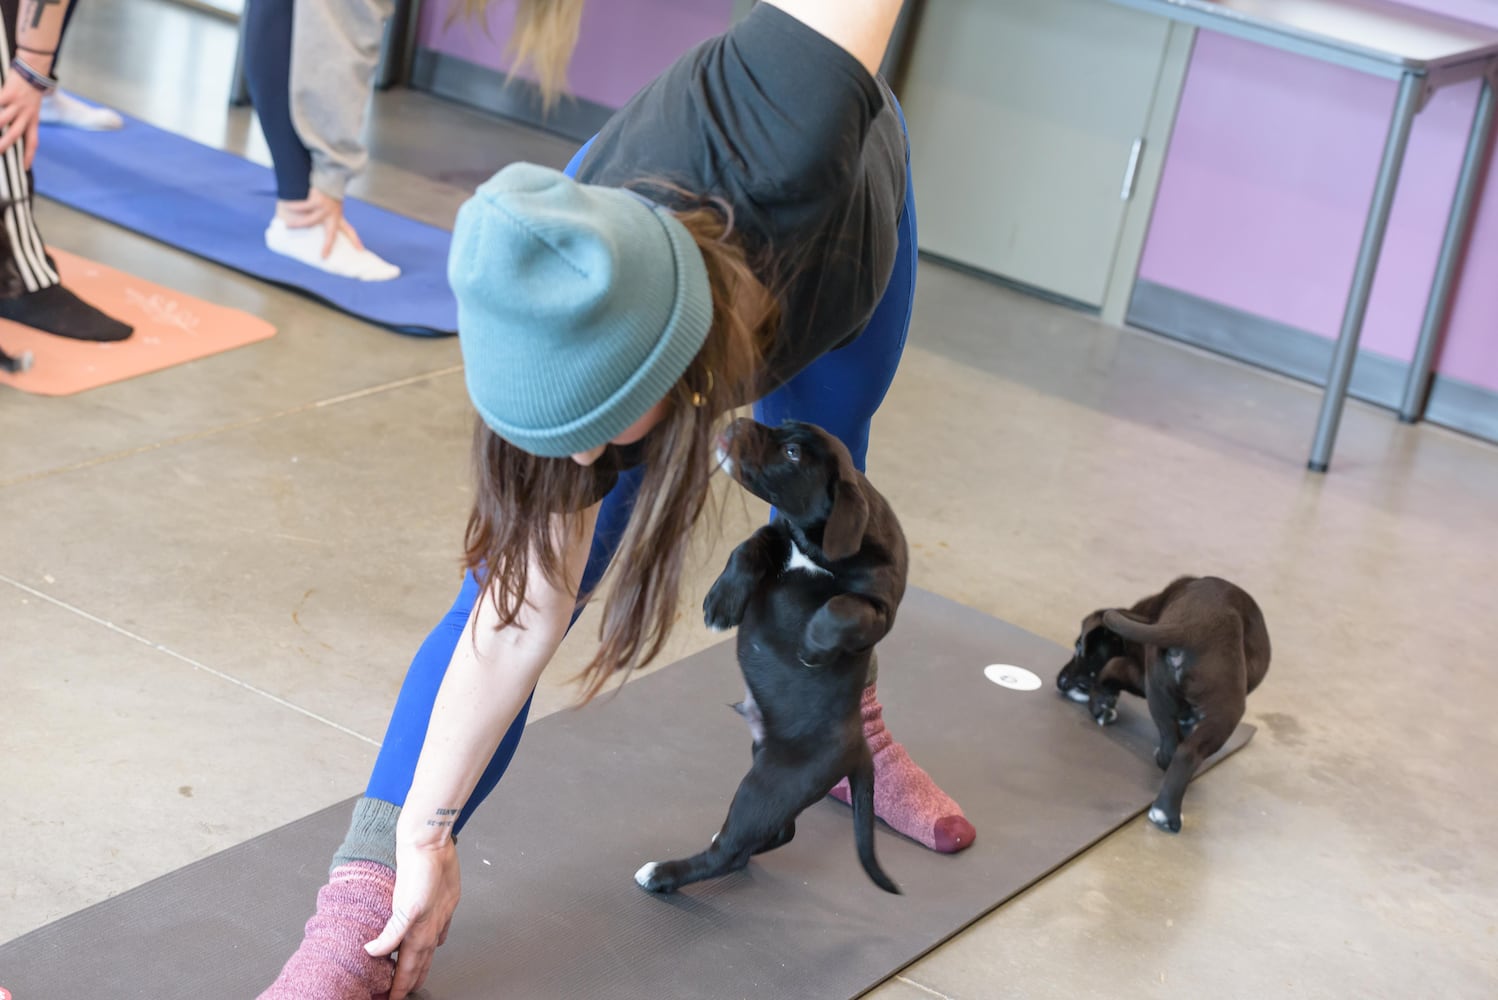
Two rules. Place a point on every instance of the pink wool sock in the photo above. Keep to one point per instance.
(332, 964)
(905, 797)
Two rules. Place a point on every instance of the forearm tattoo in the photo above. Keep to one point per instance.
(38, 10)
(445, 818)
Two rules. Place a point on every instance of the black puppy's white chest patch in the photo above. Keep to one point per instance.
(799, 562)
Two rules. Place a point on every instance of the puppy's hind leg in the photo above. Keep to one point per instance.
(1206, 739)
(760, 813)
(667, 876)
(786, 834)
(1163, 710)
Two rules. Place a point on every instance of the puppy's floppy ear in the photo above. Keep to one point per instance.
(843, 534)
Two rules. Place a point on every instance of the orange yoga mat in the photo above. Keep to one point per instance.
(170, 328)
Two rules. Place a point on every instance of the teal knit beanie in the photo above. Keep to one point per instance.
(578, 307)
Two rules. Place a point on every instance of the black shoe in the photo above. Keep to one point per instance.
(58, 311)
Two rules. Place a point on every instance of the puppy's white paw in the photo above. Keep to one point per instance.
(1078, 695)
(656, 877)
(1157, 816)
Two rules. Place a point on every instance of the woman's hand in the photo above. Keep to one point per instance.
(20, 110)
(318, 209)
(426, 894)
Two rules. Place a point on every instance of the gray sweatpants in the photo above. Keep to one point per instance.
(335, 47)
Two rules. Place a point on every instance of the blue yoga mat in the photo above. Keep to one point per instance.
(216, 205)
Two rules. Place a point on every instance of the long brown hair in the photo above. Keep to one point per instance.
(545, 34)
(517, 493)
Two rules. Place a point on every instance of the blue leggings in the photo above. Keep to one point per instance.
(267, 69)
(840, 392)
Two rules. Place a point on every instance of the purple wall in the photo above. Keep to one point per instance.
(1477, 11)
(1266, 189)
(624, 44)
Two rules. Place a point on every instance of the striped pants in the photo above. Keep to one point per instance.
(24, 264)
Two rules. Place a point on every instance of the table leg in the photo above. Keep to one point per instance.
(1417, 383)
(1345, 354)
(391, 71)
(239, 83)
(897, 54)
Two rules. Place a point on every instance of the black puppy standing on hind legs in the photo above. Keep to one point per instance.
(810, 593)
(1194, 651)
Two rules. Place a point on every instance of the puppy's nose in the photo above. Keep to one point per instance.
(723, 452)
(730, 433)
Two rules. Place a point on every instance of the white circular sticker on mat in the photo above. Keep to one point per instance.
(1013, 678)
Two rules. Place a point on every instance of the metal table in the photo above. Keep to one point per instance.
(1423, 52)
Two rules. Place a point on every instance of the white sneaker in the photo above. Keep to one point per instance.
(61, 108)
(346, 260)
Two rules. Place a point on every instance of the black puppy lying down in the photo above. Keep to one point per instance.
(811, 593)
(1194, 651)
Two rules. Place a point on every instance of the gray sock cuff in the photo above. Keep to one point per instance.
(371, 834)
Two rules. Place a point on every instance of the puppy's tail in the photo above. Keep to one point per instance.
(1161, 633)
(861, 785)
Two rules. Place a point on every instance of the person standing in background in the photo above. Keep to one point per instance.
(31, 290)
(310, 66)
(62, 108)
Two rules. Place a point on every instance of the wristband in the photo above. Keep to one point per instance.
(40, 81)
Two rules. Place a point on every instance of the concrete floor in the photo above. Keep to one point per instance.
(211, 580)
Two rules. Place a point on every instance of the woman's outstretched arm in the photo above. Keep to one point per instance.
(492, 672)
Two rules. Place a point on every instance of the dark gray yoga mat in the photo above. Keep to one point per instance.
(549, 906)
